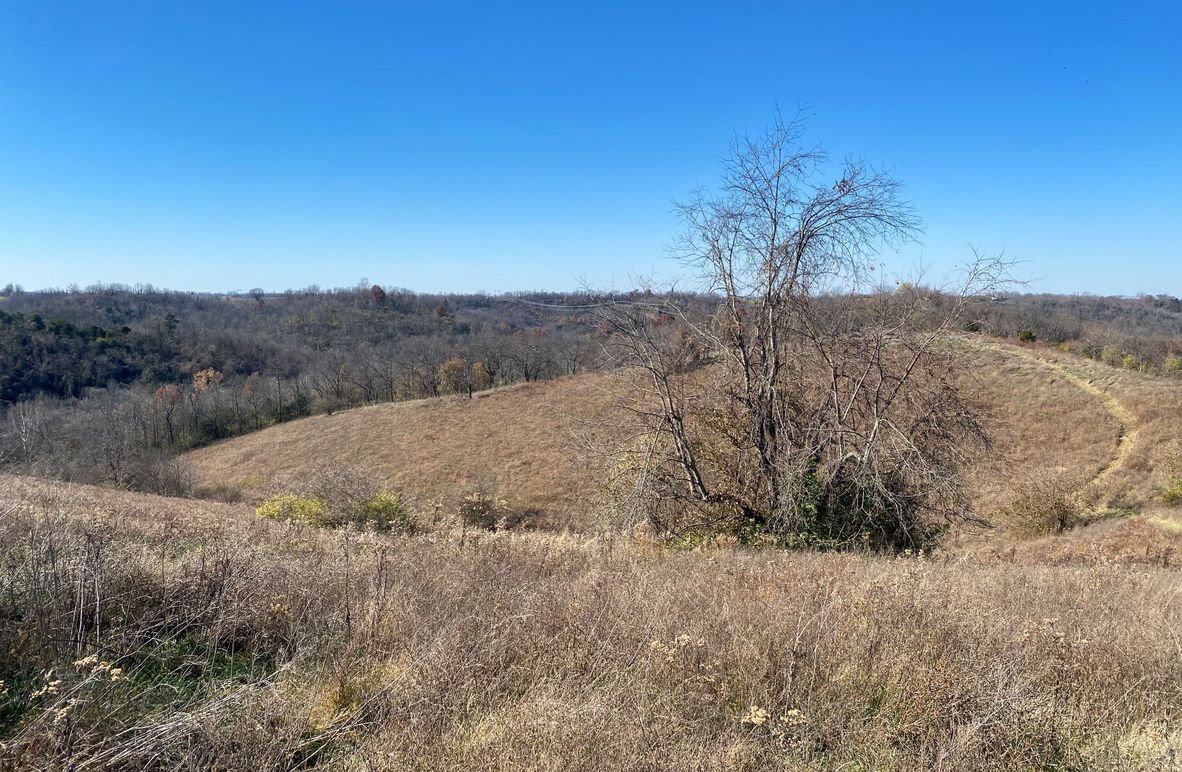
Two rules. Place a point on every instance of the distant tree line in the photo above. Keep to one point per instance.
(110, 383)
(1143, 333)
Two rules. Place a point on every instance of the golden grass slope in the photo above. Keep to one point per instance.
(1143, 422)
(246, 644)
(513, 443)
(1051, 414)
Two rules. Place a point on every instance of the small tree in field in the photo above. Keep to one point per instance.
(453, 376)
(480, 376)
(811, 406)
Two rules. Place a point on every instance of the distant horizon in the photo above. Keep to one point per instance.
(147, 288)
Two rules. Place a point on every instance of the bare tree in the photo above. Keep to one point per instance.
(811, 404)
(27, 422)
(331, 382)
(529, 352)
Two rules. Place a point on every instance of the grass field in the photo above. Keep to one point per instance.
(1052, 415)
(150, 632)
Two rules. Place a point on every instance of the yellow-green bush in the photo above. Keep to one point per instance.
(386, 510)
(1173, 492)
(307, 510)
(1173, 365)
(383, 511)
(1111, 355)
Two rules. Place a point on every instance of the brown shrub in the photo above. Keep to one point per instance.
(1043, 504)
(481, 510)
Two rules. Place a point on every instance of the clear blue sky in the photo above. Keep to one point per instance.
(448, 146)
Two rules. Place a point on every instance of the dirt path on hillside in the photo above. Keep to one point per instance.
(1078, 377)
(1125, 418)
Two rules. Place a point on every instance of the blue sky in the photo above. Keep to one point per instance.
(486, 146)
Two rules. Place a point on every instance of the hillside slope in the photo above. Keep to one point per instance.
(515, 443)
(1051, 415)
(1141, 421)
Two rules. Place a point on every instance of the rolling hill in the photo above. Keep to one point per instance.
(148, 631)
(515, 443)
(1052, 415)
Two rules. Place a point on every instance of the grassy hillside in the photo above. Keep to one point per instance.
(150, 632)
(1141, 419)
(1053, 416)
(514, 443)
(145, 632)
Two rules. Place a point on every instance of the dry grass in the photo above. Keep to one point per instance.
(515, 443)
(512, 443)
(241, 643)
(1144, 416)
(1044, 425)
(1150, 539)
(146, 632)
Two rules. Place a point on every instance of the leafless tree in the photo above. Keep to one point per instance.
(529, 353)
(378, 373)
(574, 355)
(27, 428)
(814, 404)
(331, 381)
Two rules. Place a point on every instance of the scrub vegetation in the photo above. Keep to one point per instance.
(147, 632)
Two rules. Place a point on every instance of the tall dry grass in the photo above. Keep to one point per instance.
(241, 643)
(515, 443)
(511, 443)
(1133, 419)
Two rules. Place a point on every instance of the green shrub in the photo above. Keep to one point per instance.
(386, 511)
(1173, 492)
(1173, 364)
(307, 510)
(1130, 362)
(1026, 336)
(1111, 355)
(689, 541)
(383, 511)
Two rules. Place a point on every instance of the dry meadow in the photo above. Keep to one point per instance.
(145, 632)
(521, 443)
(157, 633)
